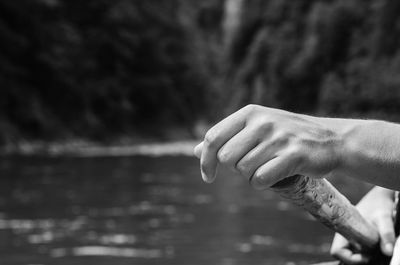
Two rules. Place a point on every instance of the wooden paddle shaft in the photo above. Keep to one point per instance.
(330, 207)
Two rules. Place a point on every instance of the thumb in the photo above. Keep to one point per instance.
(386, 233)
(198, 149)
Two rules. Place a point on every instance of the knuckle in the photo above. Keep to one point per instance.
(281, 136)
(211, 137)
(251, 108)
(294, 151)
(265, 125)
(282, 141)
(223, 156)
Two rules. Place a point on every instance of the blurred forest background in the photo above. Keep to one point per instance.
(99, 68)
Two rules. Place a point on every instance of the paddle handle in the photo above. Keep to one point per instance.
(331, 208)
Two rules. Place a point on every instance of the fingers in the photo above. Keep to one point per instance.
(215, 138)
(237, 147)
(396, 254)
(341, 250)
(258, 156)
(386, 233)
(271, 172)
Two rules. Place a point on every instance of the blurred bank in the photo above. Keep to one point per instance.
(164, 69)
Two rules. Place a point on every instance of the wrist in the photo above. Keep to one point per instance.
(345, 144)
(359, 150)
(353, 150)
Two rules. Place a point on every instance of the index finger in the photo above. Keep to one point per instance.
(215, 138)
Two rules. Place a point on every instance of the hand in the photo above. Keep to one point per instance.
(396, 253)
(267, 145)
(377, 208)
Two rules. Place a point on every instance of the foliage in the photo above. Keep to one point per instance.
(97, 68)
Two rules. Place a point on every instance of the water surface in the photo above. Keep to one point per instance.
(148, 211)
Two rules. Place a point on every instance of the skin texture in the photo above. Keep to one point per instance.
(265, 145)
(377, 208)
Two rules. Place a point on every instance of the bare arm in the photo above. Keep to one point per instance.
(266, 145)
(371, 152)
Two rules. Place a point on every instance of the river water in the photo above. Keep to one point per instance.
(148, 211)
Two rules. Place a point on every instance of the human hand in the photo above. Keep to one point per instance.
(266, 145)
(377, 208)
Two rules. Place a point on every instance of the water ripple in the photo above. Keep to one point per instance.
(107, 251)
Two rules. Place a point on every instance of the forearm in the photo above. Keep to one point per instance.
(370, 151)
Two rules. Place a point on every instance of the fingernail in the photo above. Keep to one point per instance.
(209, 177)
(389, 249)
(206, 178)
